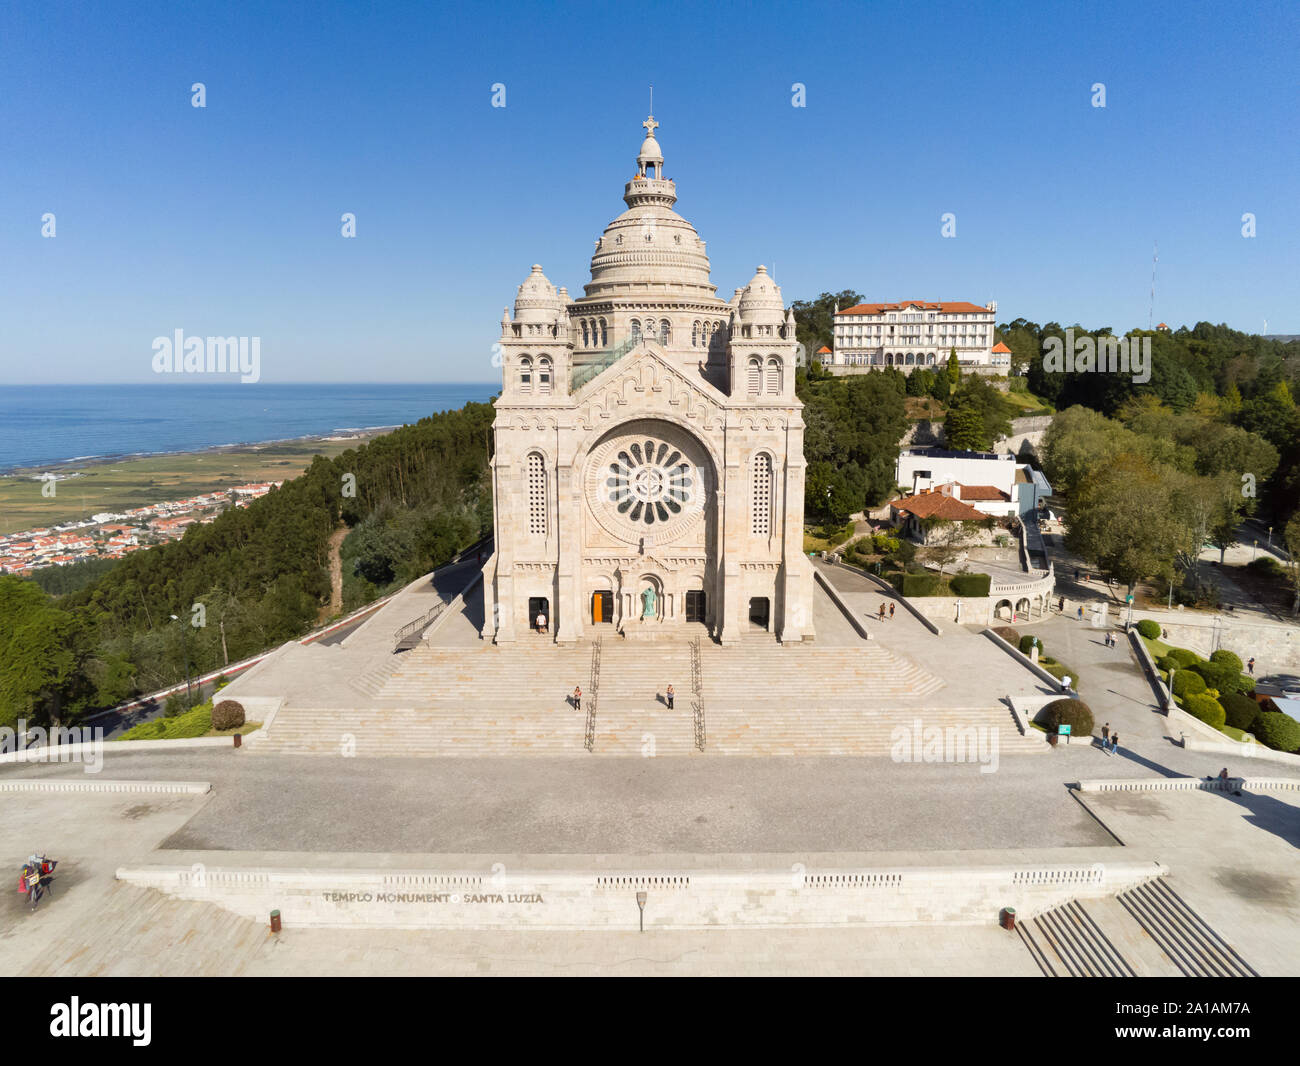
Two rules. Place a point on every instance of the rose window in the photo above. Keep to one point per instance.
(649, 482)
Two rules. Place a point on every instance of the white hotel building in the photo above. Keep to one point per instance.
(914, 333)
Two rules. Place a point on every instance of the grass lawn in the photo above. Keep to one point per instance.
(814, 542)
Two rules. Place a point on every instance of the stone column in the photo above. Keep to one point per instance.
(796, 584)
(568, 608)
(729, 518)
(503, 624)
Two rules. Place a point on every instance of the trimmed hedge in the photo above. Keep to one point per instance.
(227, 715)
(1206, 708)
(1166, 664)
(1011, 636)
(922, 585)
(1149, 629)
(1188, 683)
(970, 584)
(1028, 641)
(1074, 713)
(1223, 655)
(1277, 730)
(1241, 710)
(1219, 675)
(1183, 657)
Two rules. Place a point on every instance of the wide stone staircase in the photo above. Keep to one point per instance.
(1148, 931)
(758, 699)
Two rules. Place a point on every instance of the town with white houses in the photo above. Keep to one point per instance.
(114, 534)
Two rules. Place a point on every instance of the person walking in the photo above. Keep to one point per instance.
(669, 696)
(1080, 612)
(882, 612)
(541, 622)
(1060, 605)
(577, 697)
(1250, 665)
(1105, 734)
(891, 610)
(1114, 743)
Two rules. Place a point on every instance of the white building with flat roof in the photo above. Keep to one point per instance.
(917, 333)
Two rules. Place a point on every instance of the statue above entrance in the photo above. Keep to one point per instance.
(647, 603)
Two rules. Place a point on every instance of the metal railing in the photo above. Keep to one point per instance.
(589, 730)
(697, 687)
(403, 636)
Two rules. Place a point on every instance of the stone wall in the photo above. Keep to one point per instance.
(713, 898)
(1276, 648)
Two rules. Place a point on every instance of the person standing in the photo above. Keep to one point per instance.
(891, 610)
(669, 696)
(1065, 683)
(577, 697)
(1080, 612)
(882, 612)
(1250, 666)
(541, 622)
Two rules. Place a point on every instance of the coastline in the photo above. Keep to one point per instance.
(30, 498)
(360, 435)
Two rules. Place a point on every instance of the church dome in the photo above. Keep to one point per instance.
(650, 250)
(537, 300)
(760, 301)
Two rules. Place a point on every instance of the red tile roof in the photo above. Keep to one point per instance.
(983, 492)
(822, 349)
(959, 307)
(1002, 348)
(933, 504)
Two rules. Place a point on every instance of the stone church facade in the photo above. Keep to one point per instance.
(648, 470)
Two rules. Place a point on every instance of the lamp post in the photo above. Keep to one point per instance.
(185, 643)
(1254, 547)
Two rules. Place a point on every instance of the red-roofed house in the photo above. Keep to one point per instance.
(951, 502)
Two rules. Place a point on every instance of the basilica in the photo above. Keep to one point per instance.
(648, 469)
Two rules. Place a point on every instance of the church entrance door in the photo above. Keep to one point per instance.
(695, 606)
(602, 607)
(759, 610)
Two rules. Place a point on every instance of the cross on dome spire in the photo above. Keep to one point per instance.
(650, 126)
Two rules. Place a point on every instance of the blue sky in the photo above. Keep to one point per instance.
(225, 220)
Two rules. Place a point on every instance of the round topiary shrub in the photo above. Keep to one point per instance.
(1245, 683)
(1223, 655)
(1074, 713)
(1028, 641)
(1011, 636)
(1206, 708)
(1187, 683)
(1166, 664)
(1222, 676)
(1241, 710)
(1184, 657)
(227, 715)
(1277, 730)
(1149, 629)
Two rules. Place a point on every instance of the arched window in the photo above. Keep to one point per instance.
(536, 494)
(774, 376)
(755, 376)
(636, 331)
(544, 374)
(695, 334)
(584, 333)
(665, 332)
(525, 373)
(761, 502)
(604, 334)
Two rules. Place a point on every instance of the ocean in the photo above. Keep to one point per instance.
(49, 424)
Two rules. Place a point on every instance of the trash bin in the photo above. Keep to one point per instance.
(275, 921)
(1008, 918)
